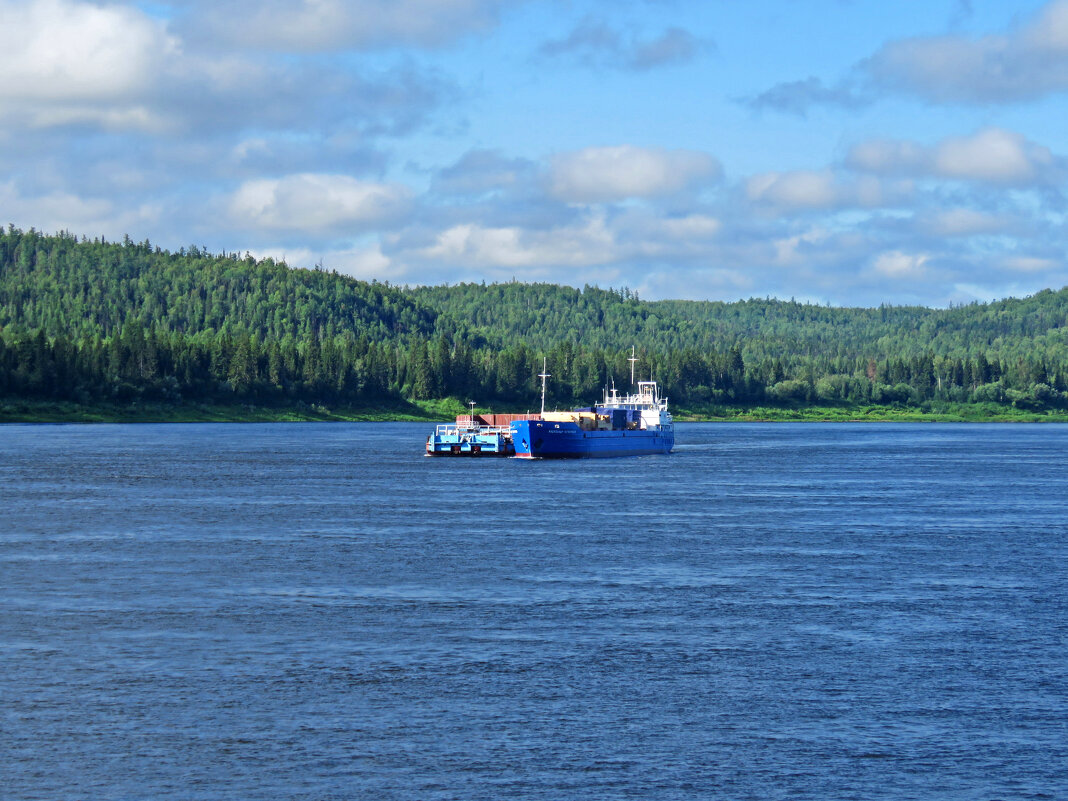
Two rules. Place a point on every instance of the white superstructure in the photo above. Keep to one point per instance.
(647, 400)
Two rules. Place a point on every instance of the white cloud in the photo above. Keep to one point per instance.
(365, 263)
(315, 25)
(896, 264)
(799, 189)
(1017, 65)
(822, 190)
(1030, 264)
(567, 246)
(69, 62)
(63, 210)
(991, 155)
(610, 174)
(796, 249)
(62, 50)
(962, 222)
(66, 63)
(888, 157)
(690, 227)
(317, 202)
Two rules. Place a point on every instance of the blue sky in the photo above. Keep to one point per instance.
(836, 151)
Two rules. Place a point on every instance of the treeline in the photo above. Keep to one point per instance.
(90, 321)
(171, 367)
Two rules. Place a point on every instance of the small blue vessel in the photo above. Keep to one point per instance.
(620, 425)
(470, 439)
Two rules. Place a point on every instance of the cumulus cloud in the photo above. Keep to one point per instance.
(896, 264)
(64, 210)
(65, 62)
(822, 190)
(962, 222)
(596, 44)
(571, 246)
(610, 174)
(1031, 264)
(992, 155)
(324, 25)
(1016, 65)
(589, 244)
(317, 203)
(800, 248)
(690, 227)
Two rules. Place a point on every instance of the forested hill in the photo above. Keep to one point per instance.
(93, 288)
(91, 320)
(545, 314)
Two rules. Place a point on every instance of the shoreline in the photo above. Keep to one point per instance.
(57, 412)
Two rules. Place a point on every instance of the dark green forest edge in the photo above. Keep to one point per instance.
(95, 330)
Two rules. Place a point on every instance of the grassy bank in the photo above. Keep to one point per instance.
(31, 411)
(941, 413)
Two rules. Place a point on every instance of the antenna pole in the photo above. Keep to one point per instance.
(543, 376)
(632, 359)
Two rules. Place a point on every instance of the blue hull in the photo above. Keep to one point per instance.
(538, 439)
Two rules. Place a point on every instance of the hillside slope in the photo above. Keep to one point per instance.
(92, 321)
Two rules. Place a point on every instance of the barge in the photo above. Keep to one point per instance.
(475, 435)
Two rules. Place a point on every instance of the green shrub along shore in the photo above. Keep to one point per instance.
(39, 411)
(105, 331)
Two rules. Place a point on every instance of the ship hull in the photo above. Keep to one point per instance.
(548, 440)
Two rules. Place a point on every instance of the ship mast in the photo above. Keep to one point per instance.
(632, 359)
(543, 376)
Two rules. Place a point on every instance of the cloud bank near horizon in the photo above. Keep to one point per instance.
(425, 141)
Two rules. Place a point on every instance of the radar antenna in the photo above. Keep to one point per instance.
(543, 376)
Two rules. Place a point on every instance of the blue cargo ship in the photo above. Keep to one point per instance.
(621, 425)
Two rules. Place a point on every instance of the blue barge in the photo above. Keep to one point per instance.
(475, 435)
(458, 439)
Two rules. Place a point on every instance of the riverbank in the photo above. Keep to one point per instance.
(947, 413)
(29, 411)
(32, 411)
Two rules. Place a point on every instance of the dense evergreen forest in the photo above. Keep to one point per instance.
(89, 321)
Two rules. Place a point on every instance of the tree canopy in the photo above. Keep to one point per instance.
(94, 320)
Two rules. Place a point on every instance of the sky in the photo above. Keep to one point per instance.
(849, 152)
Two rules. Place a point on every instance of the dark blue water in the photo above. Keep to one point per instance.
(319, 612)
